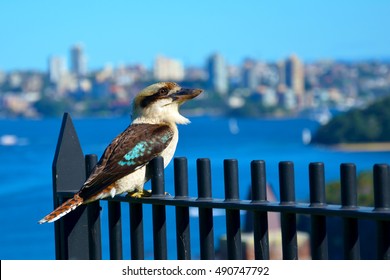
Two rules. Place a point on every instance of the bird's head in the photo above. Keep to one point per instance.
(160, 102)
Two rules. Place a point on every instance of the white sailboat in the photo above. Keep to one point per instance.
(233, 126)
(306, 136)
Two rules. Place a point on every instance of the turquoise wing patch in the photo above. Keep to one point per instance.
(144, 150)
(140, 150)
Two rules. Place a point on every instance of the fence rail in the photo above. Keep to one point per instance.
(78, 235)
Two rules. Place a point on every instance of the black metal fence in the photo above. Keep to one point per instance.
(78, 235)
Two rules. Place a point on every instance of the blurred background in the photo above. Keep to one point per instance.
(272, 58)
(284, 80)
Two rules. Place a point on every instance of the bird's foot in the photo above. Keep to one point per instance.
(143, 193)
(140, 193)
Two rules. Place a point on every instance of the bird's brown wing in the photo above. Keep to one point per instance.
(129, 151)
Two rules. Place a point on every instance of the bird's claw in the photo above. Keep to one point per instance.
(140, 193)
(143, 193)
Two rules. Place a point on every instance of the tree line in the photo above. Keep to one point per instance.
(371, 124)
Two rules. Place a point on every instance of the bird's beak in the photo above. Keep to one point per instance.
(185, 94)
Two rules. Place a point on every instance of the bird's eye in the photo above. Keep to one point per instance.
(163, 91)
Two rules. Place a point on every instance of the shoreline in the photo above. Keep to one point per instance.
(362, 147)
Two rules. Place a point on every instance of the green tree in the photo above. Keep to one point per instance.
(50, 107)
(364, 187)
(371, 124)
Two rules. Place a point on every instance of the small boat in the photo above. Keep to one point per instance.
(8, 140)
(306, 136)
(233, 126)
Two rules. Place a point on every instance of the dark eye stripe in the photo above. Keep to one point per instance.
(147, 100)
(162, 92)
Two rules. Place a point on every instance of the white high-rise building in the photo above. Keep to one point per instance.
(218, 75)
(168, 69)
(56, 68)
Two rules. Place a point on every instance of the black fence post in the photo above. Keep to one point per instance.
(349, 201)
(78, 234)
(260, 219)
(71, 233)
(206, 223)
(182, 212)
(288, 220)
(318, 236)
(137, 231)
(382, 203)
(93, 209)
(233, 223)
(159, 213)
(115, 230)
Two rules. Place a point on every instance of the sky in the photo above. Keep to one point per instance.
(119, 32)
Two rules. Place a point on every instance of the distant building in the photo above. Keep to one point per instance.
(281, 72)
(294, 77)
(3, 77)
(267, 96)
(286, 97)
(250, 77)
(78, 60)
(56, 68)
(195, 74)
(168, 69)
(15, 80)
(217, 72)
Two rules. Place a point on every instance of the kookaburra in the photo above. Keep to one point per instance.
(122, 167)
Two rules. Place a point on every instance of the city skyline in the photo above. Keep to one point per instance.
(76, 61)
(254, 88)
(129, 33)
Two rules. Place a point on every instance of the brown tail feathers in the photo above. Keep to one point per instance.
(63, 209)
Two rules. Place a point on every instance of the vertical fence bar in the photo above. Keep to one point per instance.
(260, 219)
(115, 230)
(206, 223)
(349, 201)
(318, 237)
(233, 224)
(158, 211)
(182, 213)
(137, 231)
(93, 209)
(382, 203)
(68, 172)
(288, 220)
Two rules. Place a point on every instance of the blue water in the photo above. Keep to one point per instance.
(25, 172)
